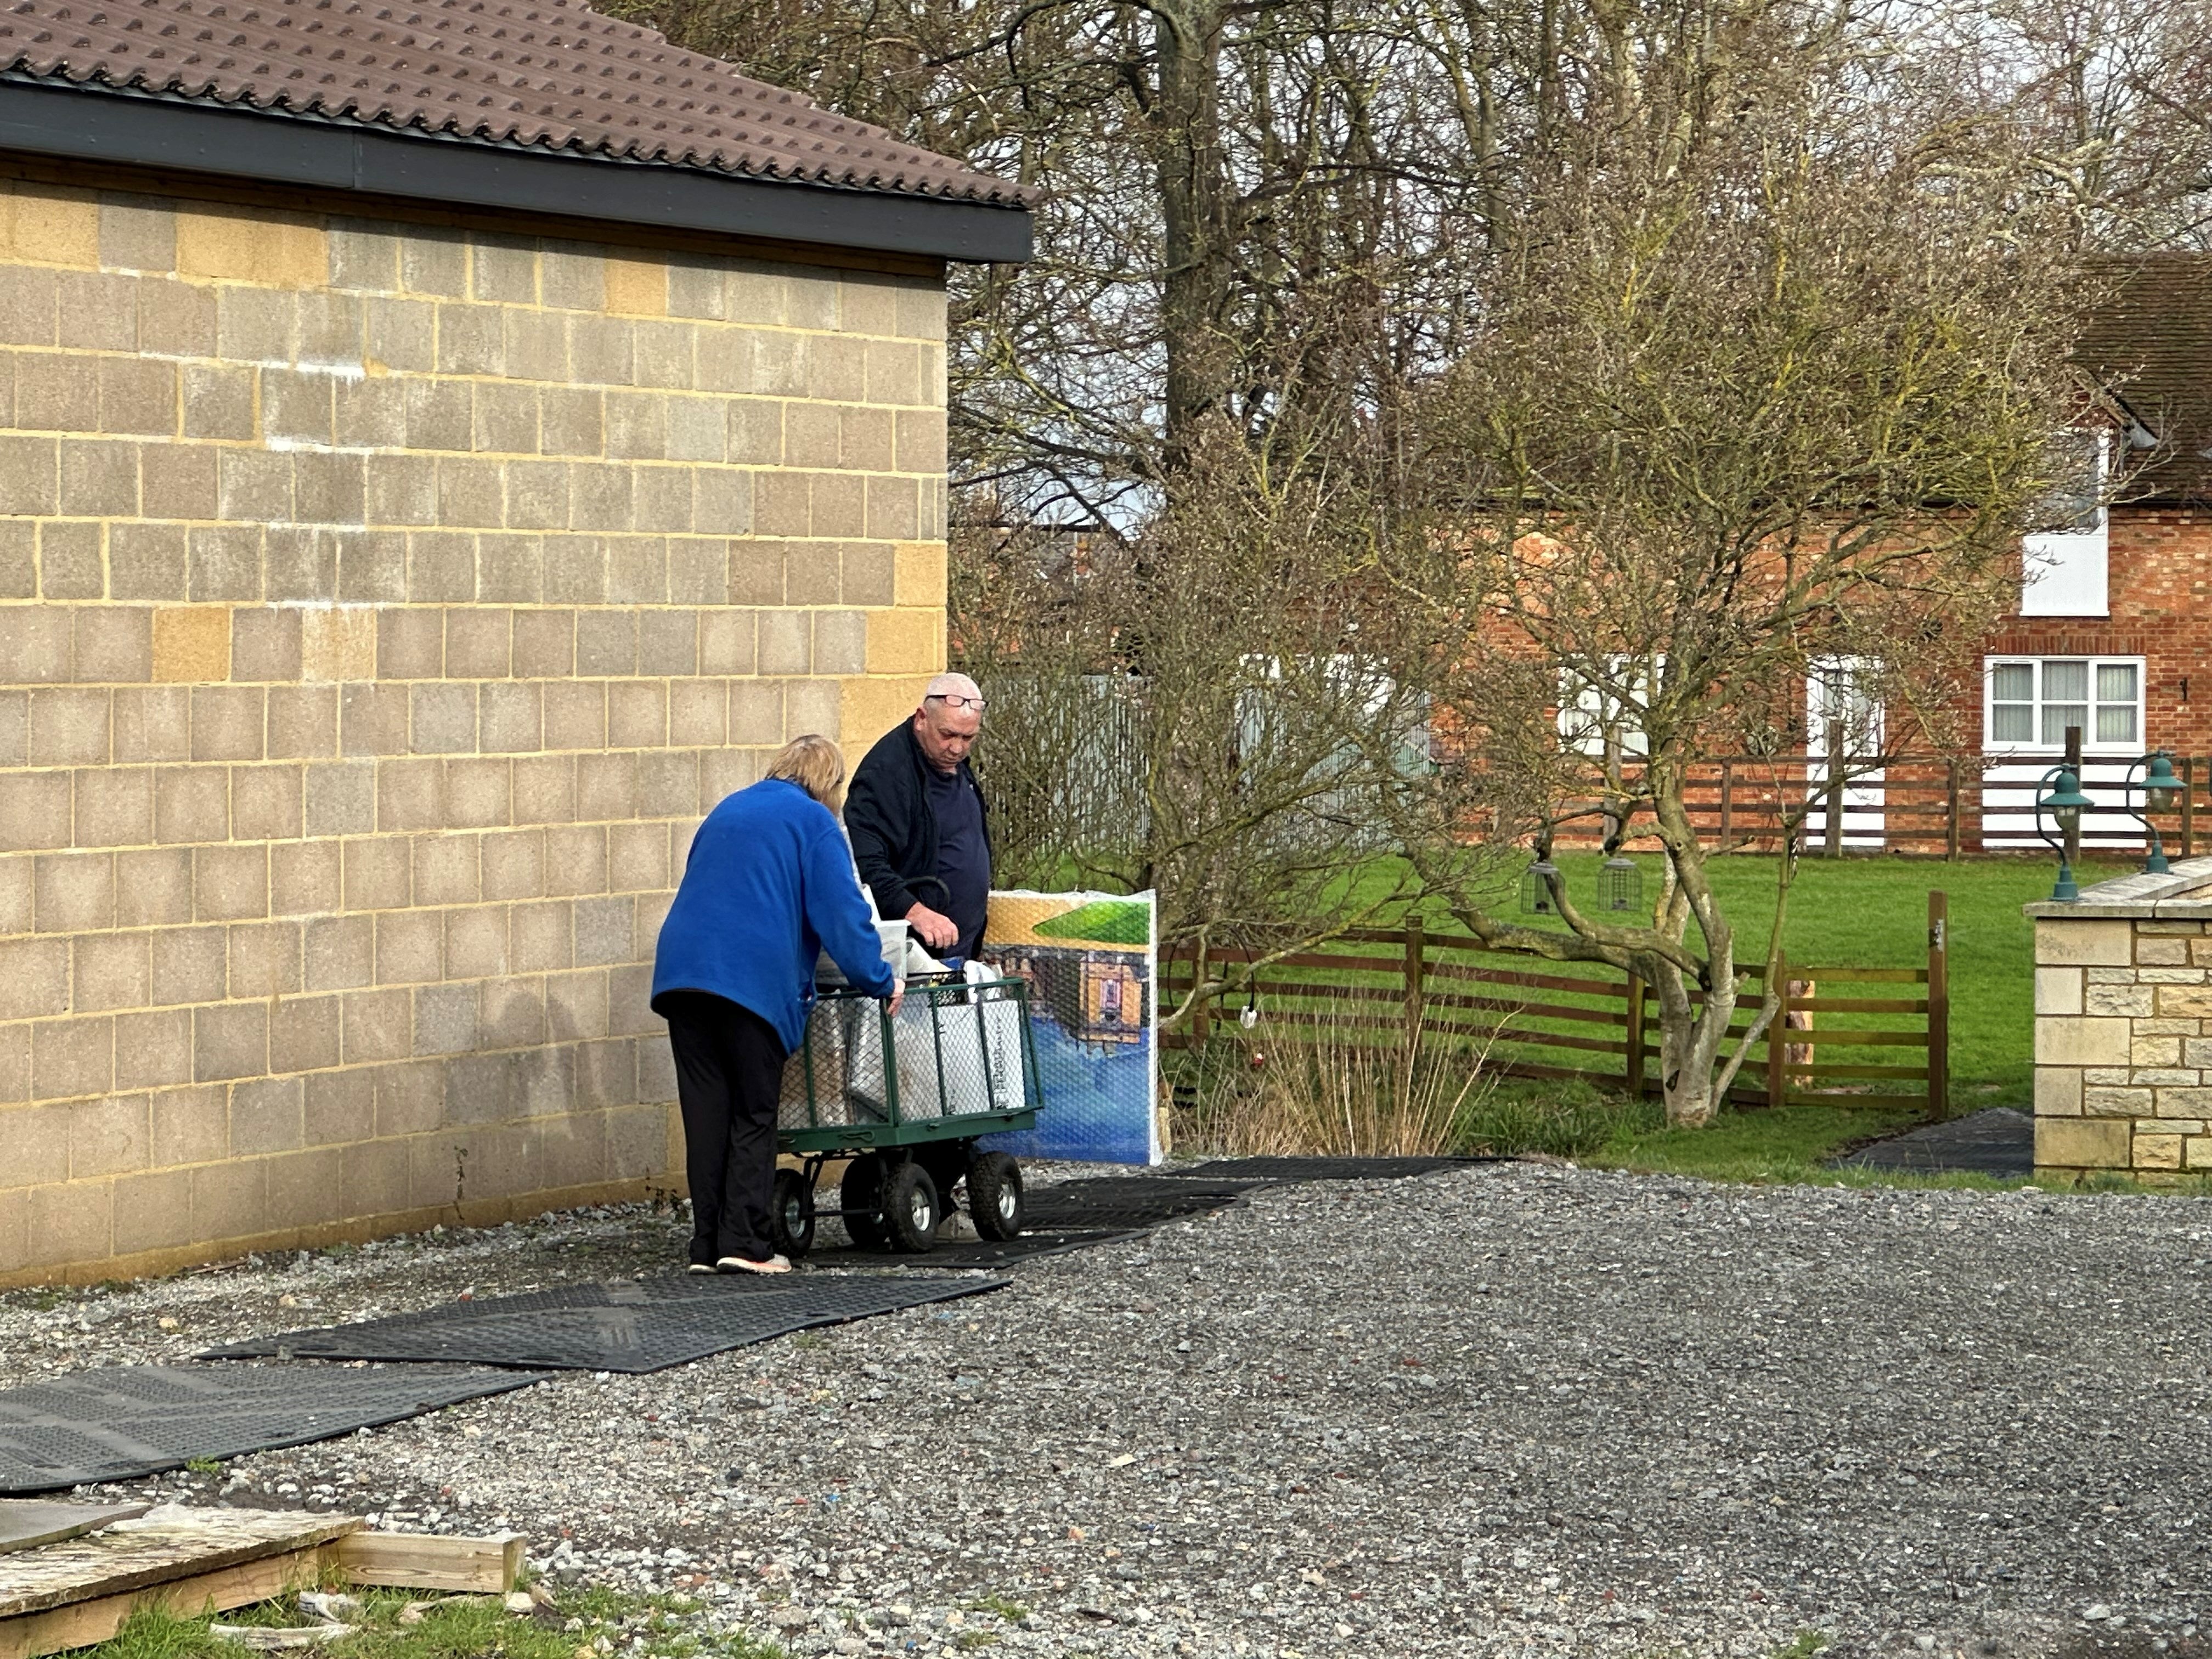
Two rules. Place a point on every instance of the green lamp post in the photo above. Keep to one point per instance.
(2160, 786)
(2065, 803)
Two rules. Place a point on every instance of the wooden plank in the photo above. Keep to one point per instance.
(1824, 1037)
(1866, 975)
(27, 1522)
(429, 1561)
(1863, 1005)
(1592, 986)
(81, 1624)
(1814, 1068)
(1838, 1098)
(168, 1543)
(1534, 1010)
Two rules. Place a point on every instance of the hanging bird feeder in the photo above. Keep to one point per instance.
(1536, 888)
(1619, 885)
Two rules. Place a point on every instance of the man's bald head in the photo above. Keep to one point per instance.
(953, 686)
(945, 725)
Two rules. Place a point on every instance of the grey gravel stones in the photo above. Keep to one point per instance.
(1511, 1409)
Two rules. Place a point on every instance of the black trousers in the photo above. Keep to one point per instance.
(729, 1077)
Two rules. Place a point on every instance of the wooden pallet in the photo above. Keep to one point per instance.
(80, 1590)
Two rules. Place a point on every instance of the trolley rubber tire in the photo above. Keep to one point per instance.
(791, 1214)
(912, 1208)
(995, 1195)
(861, 1194)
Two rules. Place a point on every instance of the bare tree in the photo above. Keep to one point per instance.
(1761, 388)
(1257, 751)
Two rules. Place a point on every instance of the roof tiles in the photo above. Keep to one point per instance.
(551, 76)
(2150, 340)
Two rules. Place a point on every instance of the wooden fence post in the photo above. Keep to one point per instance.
(1202, 1017)
(1951, 813)
(1413, 967)
(2073, 836)
(2188, 807)
(1728, 802)
(1635, 1036)
(1777, 1035)
(1835, 807)
(1939, 1004)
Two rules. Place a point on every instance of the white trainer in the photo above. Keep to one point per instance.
(737, 1264)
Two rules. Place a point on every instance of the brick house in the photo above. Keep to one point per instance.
(440, 455)
(2114, 631)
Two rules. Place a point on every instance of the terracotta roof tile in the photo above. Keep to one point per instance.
(551, 75)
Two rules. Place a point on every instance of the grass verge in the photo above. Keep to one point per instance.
(585, 1622)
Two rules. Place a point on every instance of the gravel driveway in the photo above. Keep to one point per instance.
(1511, 1409)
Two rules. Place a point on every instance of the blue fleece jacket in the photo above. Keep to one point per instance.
(768, 887)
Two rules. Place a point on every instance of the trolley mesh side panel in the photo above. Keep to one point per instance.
(953, 1049)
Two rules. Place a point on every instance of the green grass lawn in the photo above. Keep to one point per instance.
(1873, 913)
(1850, 912)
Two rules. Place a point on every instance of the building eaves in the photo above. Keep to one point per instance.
(485, 103)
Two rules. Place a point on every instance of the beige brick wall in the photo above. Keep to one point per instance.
(380, 607)
(2123, 1033)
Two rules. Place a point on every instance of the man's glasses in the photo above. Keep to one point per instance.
(954, 700)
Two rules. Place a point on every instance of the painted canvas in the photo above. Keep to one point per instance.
(1088, 960)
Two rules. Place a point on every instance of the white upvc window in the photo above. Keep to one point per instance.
(1846, 689)
(2065, 565)
(2030, 701)
(1589, 713)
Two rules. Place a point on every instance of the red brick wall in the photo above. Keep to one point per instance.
(2160, 587)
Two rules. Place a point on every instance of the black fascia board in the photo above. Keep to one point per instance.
(134, 129)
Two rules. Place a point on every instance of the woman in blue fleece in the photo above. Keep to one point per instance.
(770, 886)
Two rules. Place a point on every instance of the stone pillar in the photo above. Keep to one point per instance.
(2124, 1028)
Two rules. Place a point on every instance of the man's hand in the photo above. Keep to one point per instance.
(937, 932)
(898, 997)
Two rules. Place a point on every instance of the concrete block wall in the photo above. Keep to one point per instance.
(381, 604)
(2124, 1028)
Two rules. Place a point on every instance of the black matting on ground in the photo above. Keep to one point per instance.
(1294, 1169)
(124, 1421)
(1998, 1142)
(1122, 1202)
(973, 1252)
(616, 1325)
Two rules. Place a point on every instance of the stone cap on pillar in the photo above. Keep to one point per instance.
(2183, 894)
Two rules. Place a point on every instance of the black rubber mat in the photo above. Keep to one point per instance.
(124, 1421)
(1293, 1170)
(1109, 1202)
(1998, 1142)
(616, 1325)
(973, 1252)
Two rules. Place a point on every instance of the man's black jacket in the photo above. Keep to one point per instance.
(893, 832)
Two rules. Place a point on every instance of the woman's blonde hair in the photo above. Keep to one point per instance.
(815, 765)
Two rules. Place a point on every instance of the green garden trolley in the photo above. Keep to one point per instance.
(906, 1097)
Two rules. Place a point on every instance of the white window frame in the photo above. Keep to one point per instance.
(2068, 573)
(1587, 713)
(1855, 677)
(1991, 745)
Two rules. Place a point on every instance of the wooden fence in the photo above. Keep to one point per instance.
(1842, 1031)
(1919, 805)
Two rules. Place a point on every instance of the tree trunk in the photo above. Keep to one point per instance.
(1194, 216)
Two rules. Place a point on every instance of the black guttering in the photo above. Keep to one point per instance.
(136, 129)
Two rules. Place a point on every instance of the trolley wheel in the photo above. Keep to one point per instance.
(791, 1214)
(911, 1207)
(995, 1195)
(861, 1194)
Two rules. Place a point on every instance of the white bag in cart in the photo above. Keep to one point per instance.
(1002, 1041)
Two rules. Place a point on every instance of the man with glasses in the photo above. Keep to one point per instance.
(920, 833)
